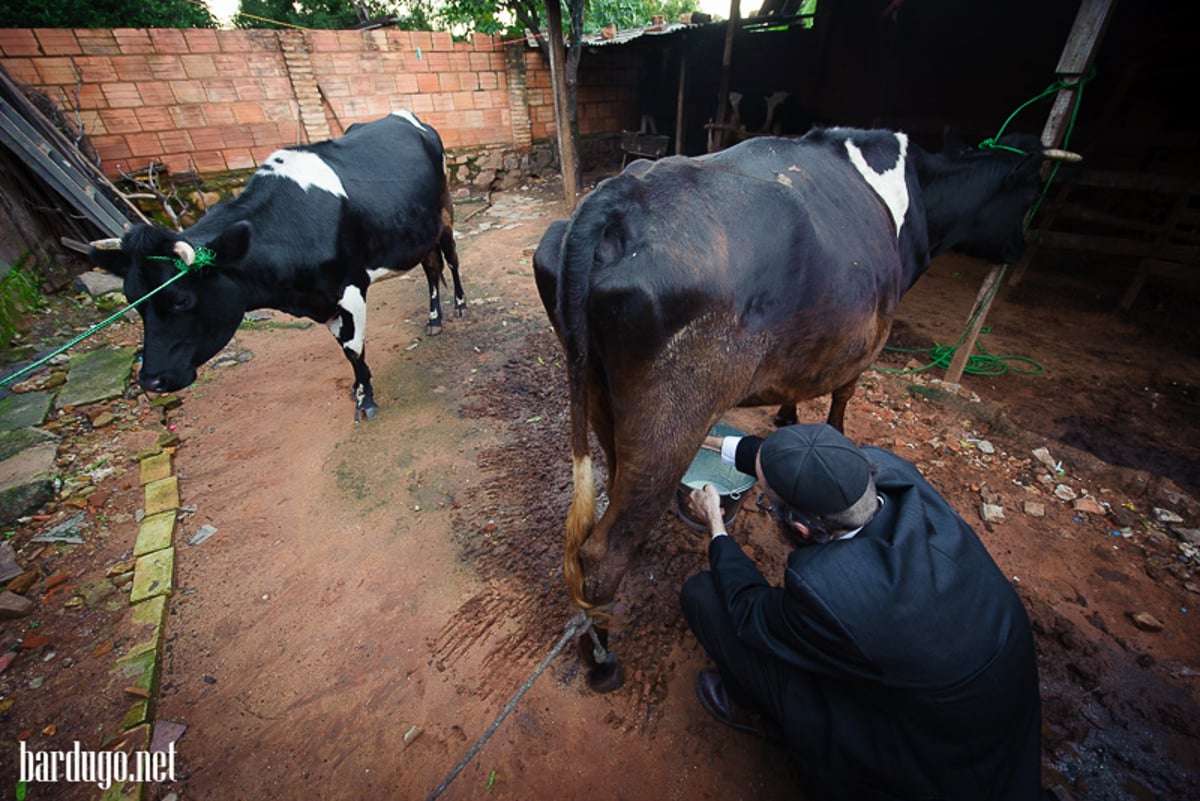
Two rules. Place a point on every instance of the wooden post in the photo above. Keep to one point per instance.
(1077, 56)
(683, 54)
(1076, 59)
(1073, 64)
(718, 137)
(558, 78)
(983, 302)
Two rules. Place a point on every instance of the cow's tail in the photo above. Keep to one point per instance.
(579, 251)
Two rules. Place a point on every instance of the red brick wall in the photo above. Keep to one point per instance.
(223, 100)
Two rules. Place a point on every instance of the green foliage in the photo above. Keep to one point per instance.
(475, 16)
(333, 14)
(627, 14)
(104, 14)
(19, 293)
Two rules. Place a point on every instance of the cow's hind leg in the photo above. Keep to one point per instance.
(347, 328)
(786, 416)
(651, 451)
(434, 267)
(837, 404)
(839, 398)
(450, 250)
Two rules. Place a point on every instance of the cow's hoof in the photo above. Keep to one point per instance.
(433, 330)
(606, 677)
(365, 413)
(460, 311)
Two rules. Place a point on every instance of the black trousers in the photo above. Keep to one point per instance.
(792, 698)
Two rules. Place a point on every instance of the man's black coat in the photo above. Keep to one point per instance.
(918, 677)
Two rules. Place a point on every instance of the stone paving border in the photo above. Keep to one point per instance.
(139, 671)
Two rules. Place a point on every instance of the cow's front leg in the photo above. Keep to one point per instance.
(347, 327)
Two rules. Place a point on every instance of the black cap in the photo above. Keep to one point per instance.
(815, 468)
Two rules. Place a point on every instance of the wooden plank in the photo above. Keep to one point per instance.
(1178, 230)
(679, 104)
(1076, 59)
(61, 177)
(1077, 55)
(1130, 181)
(717, 137)
(983, 302)
(33, 118)
(1081, 213)
(1115, 246)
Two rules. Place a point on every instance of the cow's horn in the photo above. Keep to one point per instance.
(107, 244)
(185, 253)
(1055, 154)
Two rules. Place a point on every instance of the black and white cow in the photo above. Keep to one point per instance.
(313, 228)
(765, 273)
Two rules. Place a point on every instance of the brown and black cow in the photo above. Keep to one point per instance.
(766, 273)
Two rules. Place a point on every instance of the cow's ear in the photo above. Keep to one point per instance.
(108, 256)
(952, 143)
(232, 245)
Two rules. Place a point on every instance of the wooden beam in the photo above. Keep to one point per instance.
(679, 105)
(718, 135)
(566, 145)
(983, 302)
(1077, 55)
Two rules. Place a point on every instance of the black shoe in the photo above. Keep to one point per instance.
(716, 701)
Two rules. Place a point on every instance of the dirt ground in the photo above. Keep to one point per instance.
(376, 593)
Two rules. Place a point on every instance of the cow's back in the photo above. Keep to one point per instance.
(769, 231)
(370, 199)
(393, 170)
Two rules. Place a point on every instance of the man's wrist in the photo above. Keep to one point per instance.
(720, 533)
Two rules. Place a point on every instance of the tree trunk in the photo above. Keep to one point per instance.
(562, 106)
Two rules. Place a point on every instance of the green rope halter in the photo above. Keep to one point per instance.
(204, 258)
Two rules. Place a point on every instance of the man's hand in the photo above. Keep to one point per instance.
(705, 506)
(713, 443)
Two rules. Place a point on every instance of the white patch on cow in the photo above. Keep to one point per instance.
(306, 169)
(405, 114)
(353, 302)
(380, 273)
(889, 184)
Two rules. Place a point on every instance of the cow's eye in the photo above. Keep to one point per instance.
(182, 303)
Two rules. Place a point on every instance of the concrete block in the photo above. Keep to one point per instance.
(155, 467)
(155, 533)
(162, 495)
(153, 576)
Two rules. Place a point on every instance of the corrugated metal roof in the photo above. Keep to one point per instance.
(624, 37)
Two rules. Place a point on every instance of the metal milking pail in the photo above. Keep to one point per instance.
(707, 468)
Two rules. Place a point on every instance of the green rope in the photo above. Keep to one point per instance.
(204, 257)
(983, 363)
(992, 143)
